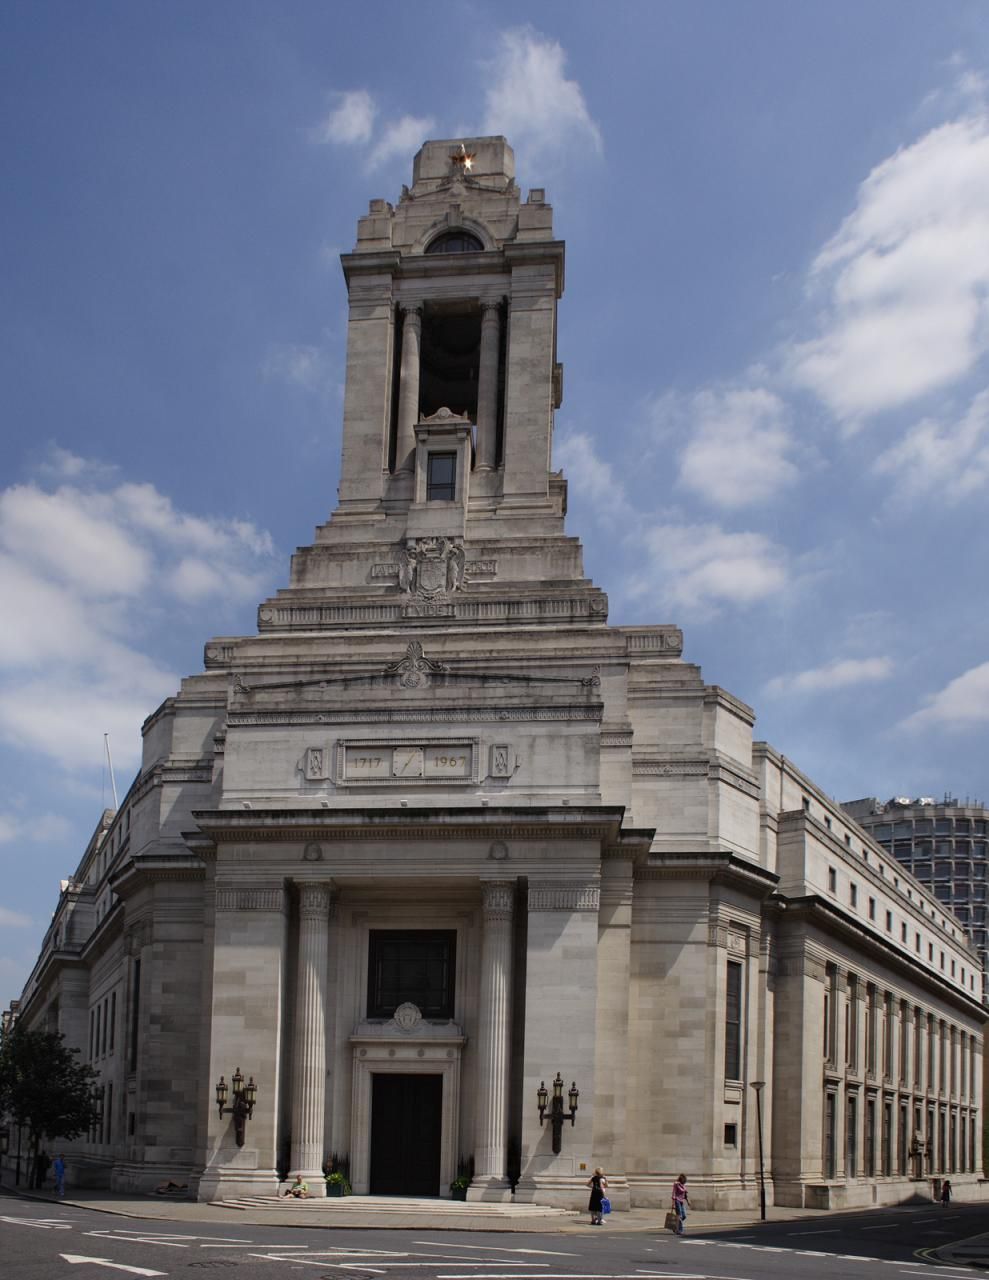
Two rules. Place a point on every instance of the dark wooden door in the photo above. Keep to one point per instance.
(406, 1118)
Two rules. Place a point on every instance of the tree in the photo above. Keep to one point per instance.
(44, 1088)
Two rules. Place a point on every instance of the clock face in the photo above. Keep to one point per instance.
(407, 762)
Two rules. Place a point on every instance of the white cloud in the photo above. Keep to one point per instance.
(962, 703)
(80, 568)
(400, 139)
(950, 460)
(589, 474)
(529, 99)
(701, 567)
(14, 920)
(737, 452)
(301, 365)
(906, 278)
(351, 120)
(838, 674)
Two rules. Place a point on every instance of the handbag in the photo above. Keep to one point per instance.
(672, 1222)
(605, 1205)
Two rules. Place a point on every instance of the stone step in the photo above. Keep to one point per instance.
(402, 1205)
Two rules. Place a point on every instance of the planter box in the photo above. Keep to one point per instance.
(335, 1189)
(458, 1193)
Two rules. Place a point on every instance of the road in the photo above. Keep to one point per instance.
(55, 1242)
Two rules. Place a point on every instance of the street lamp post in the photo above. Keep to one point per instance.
(759, 1085)
(242, 1107)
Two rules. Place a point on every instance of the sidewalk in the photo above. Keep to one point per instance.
(365, 1213)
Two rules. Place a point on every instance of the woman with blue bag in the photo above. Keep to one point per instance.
(599, 1204)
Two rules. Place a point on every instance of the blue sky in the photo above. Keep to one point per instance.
(775, 335)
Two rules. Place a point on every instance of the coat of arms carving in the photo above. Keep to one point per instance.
(429, 568)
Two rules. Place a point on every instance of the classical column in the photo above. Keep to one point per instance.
(487, 387)
(309, 1043)
(493, 1035)
(408, 387)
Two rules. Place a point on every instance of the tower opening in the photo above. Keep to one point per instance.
(450, 358)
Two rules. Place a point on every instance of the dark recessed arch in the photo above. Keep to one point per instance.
(458, 241)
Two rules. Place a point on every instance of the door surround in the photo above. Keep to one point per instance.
(406, 1045)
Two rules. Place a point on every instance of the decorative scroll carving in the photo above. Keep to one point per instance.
(253, 899)
(414, 668)
(564, 897)
(670, 768)
(497, 899)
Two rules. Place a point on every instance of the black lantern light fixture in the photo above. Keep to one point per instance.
(556, 1113)
(242, 1107)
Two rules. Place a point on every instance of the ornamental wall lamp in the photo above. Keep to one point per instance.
(242, 1106)
(557, 1115)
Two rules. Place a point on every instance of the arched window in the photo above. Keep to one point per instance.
(455, 242)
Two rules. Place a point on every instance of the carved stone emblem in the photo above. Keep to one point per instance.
(431, 567)
(407, 1016)
(414, 668)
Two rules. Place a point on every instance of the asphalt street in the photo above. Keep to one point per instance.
(56, 1242)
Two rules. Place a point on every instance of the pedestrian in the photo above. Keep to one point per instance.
(946, 1192)
(299, 1188)
(680, 1201)
(41, 1166)
(59, 1170)
(598, 1184)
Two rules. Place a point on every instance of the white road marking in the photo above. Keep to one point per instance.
(46, 1224)
(886, 1226)
(117, 1266)
(249, 1244)
(830, 1231)
(129, 1239)
(493, 1248)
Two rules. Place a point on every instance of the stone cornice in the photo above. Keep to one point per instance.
(722, 866)
(154, 868)
(826, 915)
(398, 714)
(593, 823)
(564, 895)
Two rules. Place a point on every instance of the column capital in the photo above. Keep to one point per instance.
(491, 307)
(315, 899)
(412, 311)
(497, 899)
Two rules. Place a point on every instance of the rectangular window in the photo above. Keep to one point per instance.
(830, 1107)
(901, 1142)
(870, 1138)
(97, 1030)
(853, 894)
(832, 880)
(113, 1020)
(415, 966)
(733, 1022)
(109, 1111)
(135, 1015)
(851, 1138)
(731, 1135)
(887, 1139)
(872, 908)
(104, 1040)
(887, 1036)
(441, 477)
(852, 1023)
(889, 922)
(871, 1018)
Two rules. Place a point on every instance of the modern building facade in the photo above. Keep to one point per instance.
(439, 835)
(945, 844)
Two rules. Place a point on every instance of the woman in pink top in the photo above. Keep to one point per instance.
(680, 1201)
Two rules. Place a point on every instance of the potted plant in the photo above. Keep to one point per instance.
(337, 1184)
(458, 1187)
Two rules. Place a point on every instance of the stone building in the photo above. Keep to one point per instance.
(439, 833)
(944, 843)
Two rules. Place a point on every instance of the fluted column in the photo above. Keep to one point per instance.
(309, 1057)
(487, 387)
(494, 1030)
(408, 387)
